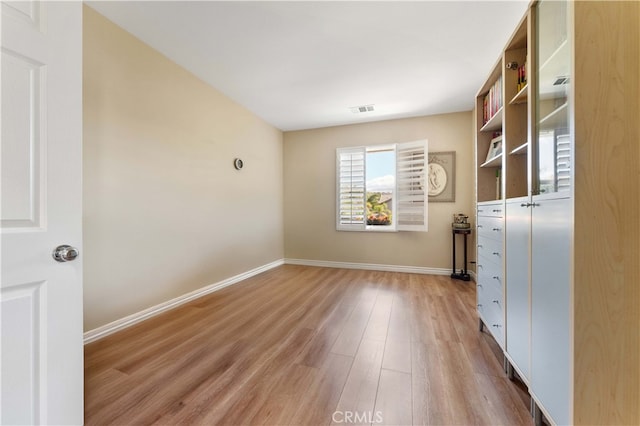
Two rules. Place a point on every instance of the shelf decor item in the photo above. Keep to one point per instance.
(442, 176)
(460, 221)
(495, 148)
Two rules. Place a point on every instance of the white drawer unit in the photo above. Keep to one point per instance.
(490, 273)
(491, 227)
(491, 311)
(490, 269)
(490, 248)
(490, 209)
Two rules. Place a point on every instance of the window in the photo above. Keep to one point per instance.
(394, 199)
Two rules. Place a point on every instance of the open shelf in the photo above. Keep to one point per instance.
(520, 97)
(494, 123)
(493, 162)
(521, 150)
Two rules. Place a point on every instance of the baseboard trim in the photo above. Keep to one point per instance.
(369, 266)
(128, 321)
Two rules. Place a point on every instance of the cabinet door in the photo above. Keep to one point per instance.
(552, 142)
(551, 233)
(518, 227)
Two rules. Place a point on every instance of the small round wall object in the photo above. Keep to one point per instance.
(238, 164)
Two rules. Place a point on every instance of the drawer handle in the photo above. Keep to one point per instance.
(495, 253)
(496, 325)
(496, 229)
(480, 226)
(479, 285)
(497, 302)
(480, 210)
(497, 210)
(526, 205)
(479, 245)
(480, 266)
(479, 305)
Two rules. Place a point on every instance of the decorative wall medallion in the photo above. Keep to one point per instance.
(437, 179)
(442, 176)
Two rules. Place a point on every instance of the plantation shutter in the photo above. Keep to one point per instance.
(411, 186)
(350, 165)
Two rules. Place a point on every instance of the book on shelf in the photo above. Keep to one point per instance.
(492, 101)
(522, 77)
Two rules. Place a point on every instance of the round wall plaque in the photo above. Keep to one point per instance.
(437, 179)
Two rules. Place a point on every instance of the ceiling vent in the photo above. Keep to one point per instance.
(561, 80)
(361, 109)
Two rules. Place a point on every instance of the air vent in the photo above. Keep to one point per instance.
(561, 80)
(361, 109)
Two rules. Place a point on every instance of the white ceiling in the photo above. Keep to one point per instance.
(301, 65)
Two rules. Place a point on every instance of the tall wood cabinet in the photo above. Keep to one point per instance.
(502, 170)
(559, 155)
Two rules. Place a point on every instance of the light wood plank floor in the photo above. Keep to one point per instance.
(303, 345)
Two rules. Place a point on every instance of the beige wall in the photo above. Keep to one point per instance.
(165, 212)
(309, 176)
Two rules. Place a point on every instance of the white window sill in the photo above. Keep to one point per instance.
(374, 229)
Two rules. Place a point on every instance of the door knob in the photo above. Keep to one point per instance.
(65, 253)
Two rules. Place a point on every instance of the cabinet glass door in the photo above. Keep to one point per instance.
(552, 147)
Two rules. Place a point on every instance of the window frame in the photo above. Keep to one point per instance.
(414, 187)
(351, 152)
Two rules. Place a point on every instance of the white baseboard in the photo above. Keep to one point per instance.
(122, 323)
(369, 266)
(112, 327)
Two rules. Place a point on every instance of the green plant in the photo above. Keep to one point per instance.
(377, 213)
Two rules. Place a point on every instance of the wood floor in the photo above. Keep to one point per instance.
(302, 345)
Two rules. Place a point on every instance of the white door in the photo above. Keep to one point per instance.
(41, 160)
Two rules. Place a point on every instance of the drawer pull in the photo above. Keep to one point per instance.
(496, 325)
(479, 305)
(495, 253)
(480, 210)
(495, 277)
(479, 285)
(480, 266)
(480, 226)
(497, 210)
(479, 245)
(496, 229)
(496, 302)
(526, 205)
